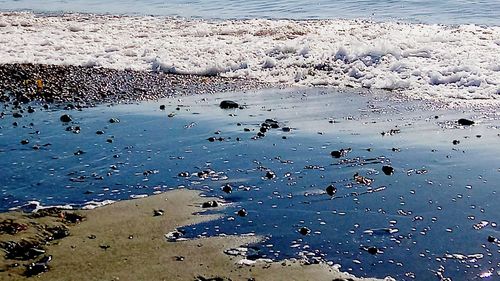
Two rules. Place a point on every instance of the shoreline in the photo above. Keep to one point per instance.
(126, 241)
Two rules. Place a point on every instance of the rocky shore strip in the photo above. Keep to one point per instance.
(79, 86)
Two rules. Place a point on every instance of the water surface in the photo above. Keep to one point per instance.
(428, 11)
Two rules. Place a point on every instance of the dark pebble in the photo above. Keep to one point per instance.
(25, 141)
(210, 204)
(66, 118)
(331, 190)
(158, 213)
(99, 133)
(491, 239)
(304, 230)
(227, 188)
(242, 213)
(162, 107)
(372, 250)
(270, 175)
(465, 122)
(388, 170)
(455, 142)
(114, 120)
(17, 115)
(228, 104)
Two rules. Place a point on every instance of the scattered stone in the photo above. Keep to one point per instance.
(228, 104)
(11, 227)
(388, 170)
(227, 188)
(174, 235)
(104, 247)
(114, 120)
(362, 180)
(340, 153)
(331, 190)
(66, 118)
(242, 213)
(491, 239)
(270, 175)
(372, 250)
(210, 204)
(79, 152)
(456, 142)
(304, 230)
(465, 122)
(17, 115)
(25, 141)
(99, 132)
(162, 107)
(72, 217)
(38, 267)
(22, 250)
(158, 213)
(58, 232)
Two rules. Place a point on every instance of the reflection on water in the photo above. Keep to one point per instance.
(429, 11)
(437, 207)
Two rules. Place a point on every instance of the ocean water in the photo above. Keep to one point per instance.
(426, 11)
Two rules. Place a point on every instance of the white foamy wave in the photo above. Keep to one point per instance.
(430, 61)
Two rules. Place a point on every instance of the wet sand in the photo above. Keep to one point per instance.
(126, 241)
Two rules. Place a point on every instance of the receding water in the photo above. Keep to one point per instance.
(441, 200)
(427, 11)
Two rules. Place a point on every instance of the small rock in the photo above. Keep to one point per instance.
(17, 115)
(227, 188)
(304, 230)
(210, 204)
(331, 190)
(158, 213)
(99, 132)
(491, 239)
(66, 118)
(228, 104)
(456, 142)
(388, 170)
(465, 122)
(270, 175)
(25, 141)
(162, 107)
(242, 213)
(372, 250)
(114, 120)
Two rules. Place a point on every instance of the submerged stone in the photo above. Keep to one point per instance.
(465, 122)
(228, 104)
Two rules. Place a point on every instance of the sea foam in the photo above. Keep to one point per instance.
(418, 60)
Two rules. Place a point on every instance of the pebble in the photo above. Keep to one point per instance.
(66, 118)
(465, 122)
(227, 188)
(388, 170)
(228, 104)
(304, 230)
(242, 213)
(331, 190)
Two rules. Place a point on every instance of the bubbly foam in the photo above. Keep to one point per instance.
(418, 60)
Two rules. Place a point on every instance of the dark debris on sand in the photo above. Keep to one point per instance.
(78, 86)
